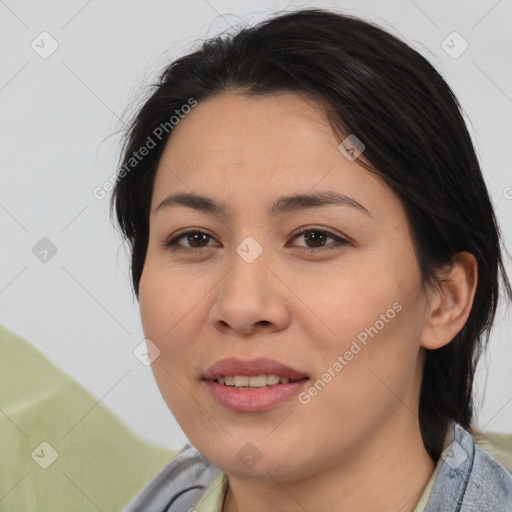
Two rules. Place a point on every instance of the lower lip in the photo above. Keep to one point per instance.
(254, 400)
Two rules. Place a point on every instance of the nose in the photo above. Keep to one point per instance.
(251, 297)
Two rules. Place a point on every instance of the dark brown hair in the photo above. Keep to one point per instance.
(377, 87)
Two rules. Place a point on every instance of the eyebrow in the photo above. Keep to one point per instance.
(285, 204)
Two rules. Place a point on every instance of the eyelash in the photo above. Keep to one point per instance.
(172, 243)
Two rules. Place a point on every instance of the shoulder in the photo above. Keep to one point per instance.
(470, 480)
(179, 485)
(489, 484)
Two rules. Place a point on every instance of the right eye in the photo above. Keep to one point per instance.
(192, 236)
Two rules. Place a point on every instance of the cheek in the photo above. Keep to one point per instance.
(167, 321)
(367, 330)
(165, 299)
(350, 302)
(374, 316)
(367, 372)
(172, 318)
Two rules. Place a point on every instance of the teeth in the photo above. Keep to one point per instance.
(254, 381)
(273, 379)
(241, 380)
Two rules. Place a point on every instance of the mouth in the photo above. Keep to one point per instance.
(258, 372)
(252, 385)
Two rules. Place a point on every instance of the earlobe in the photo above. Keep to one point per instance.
(451, 304)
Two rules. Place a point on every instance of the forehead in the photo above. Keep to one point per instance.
(236, 127)
(238, 147)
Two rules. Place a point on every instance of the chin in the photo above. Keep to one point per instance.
(250, 462)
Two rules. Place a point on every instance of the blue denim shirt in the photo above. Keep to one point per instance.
(469, 480)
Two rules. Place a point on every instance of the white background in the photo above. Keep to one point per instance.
(58, 117)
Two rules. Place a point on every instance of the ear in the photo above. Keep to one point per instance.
(449, 307)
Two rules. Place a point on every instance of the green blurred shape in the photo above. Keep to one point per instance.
(93, 461)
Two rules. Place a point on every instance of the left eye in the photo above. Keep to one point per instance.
(315, 236)
(319, 236)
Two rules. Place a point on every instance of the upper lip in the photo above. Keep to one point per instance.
(251, 367)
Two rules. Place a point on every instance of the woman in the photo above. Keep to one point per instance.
(316, 260)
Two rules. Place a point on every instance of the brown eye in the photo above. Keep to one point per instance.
(316, 239)
(195, 241)
(197, 238)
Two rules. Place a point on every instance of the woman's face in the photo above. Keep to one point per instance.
(341, 304)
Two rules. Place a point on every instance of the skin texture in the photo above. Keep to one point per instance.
(356, 445)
